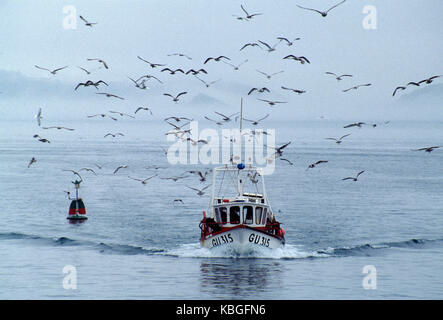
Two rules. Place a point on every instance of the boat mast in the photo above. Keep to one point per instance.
(240, 166)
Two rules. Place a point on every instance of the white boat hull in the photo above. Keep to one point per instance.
(242, 240)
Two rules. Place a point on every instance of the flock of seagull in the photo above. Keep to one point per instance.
(178, 124)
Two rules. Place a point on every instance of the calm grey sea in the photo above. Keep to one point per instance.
(139, 244)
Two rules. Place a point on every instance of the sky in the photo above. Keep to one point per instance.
(406, 45)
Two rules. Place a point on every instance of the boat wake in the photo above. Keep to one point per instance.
(194, 250)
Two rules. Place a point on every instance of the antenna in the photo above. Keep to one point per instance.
(240, 166)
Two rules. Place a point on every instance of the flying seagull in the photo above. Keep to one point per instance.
(216, 59)
(87, 23)
(339, 140)
(323, 13)
(207, 84)
(87, 71)
(58, 128)
(249, 16)
(235, 67)
(53, 71)
(120, 167)
(269, 48)
(337, 77)
(302, 59)
(153, 65)
(142, 108)
(172, 71)
(269, 75)
(260, 90)
(353, 178)
(38, 116)
(358, 86)
(289, 43)
(180, 55)
(256, 122)
(175, 99)
(109, 95)
(313, 165)
(427, 149)
(272, 103)
(74, 172)
(298, 91)
(122, 114)
(355, 124)
(398, 88)
(143, 181)
(99, 60)
(429, 80)
(252, 44)
(199, 192)
(114, 134)
(33, 160)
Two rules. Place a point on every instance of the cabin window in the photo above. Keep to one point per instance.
(263, 217)
(248, 213)
(258, 213)
(223, 215)
(217, 215)
(234, 215)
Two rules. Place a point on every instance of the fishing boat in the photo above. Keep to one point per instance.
(240, 220)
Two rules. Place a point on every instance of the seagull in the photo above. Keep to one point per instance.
(87, 23)
(38, 116)
(323, 13)
(235, 67)
(255, 122)
(207, 84)
(41, 139)
(103, 116)
(120, 167)
(283, 159)
(289, 43)
(216, 59)
(200, 192)
(269, 75)
(175, 99)
(337, 77)
(252, 44)
(261, 90)
(429, 80)
(32, 161)
(194, 72)
(180, 55)
(249, 16)
(139, 85)
(226, 118)
(301, 59)
(88, 169)
(294, 90)
(279, 150)
(427, 149)
(353, 178)
(53, 71)
(270, 49)
(110, 95)
(356, 124)
(172, 71)
(58, 128)
(339, 140)
(177, 119)
(200, 174)
(99, 60)
(215, 121)
(153, 65)
(148, 76)
(272, 103)
(143, 108)
(179, 200)
(312, 165)
(114, 134)
(175, 179)
(356, 87)
(87, 72)
(144, 180)
(398, 88)
(74, 172)
(90, 83)
(122, 114)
